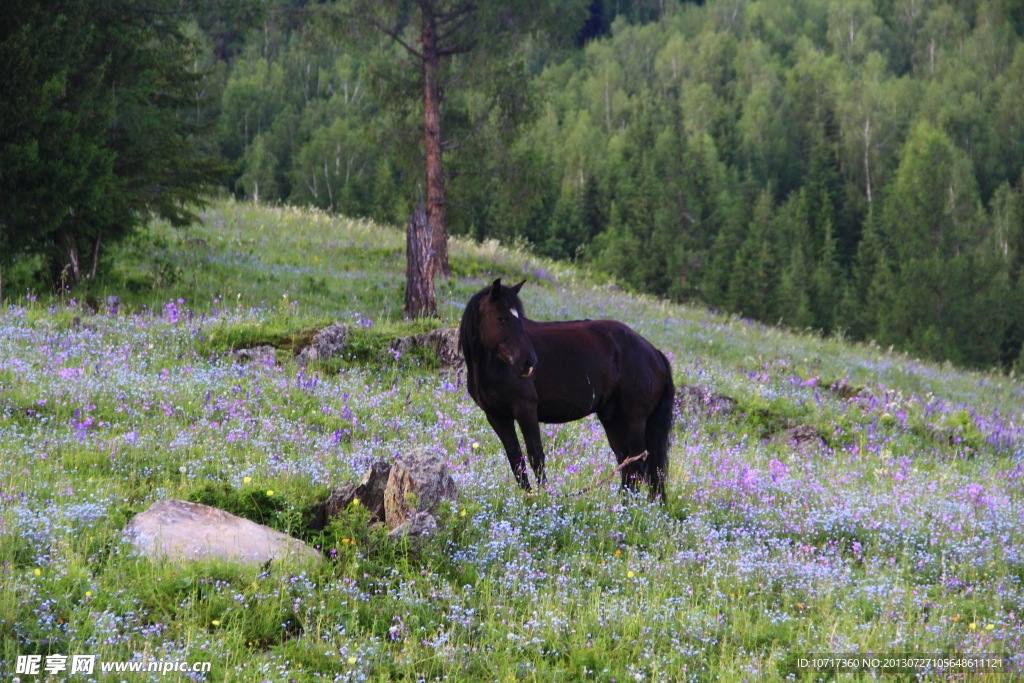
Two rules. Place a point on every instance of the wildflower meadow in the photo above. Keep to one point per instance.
(899, 530)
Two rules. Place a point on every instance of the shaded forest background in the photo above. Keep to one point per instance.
(850, 166)
(844, 165)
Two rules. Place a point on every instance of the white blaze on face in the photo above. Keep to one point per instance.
(514, 312)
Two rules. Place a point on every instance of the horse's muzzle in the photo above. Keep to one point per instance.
(522, 364)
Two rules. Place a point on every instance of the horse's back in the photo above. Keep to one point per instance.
(584, 366)
(587, 338)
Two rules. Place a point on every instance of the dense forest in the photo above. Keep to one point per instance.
(848, 166)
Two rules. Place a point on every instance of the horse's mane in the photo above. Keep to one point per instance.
(469, 328)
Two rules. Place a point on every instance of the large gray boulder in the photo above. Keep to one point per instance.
(180, 530)
(327, 343)
(418, 483)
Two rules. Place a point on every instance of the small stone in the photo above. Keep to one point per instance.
(327, 343)
(403, 345)
(851, 391)
(801, 437)
(265, 355)
(419, 525)
(444, 342)
(703, 401)
(369, 493)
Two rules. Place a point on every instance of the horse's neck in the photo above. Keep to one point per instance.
(477, 361)
(478, 355)
(481, 359)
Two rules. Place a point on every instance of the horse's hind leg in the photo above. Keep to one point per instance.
(635, 473)
(626, 437)
(505, 428)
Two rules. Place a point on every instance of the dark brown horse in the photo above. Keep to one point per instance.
(525, 371)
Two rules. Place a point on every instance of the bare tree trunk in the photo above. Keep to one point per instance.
(420, 299)
(76, 271)
(432, 138)
(95, 260)
(867, 158)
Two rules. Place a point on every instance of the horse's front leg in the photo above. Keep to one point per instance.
(534, 448)
(505, 428)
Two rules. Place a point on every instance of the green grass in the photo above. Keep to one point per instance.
(904, 535)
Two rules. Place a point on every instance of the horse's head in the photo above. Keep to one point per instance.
(501, 327)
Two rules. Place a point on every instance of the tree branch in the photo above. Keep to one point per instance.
(481, 120)
(456, 49)
(394, 36)
(452, 30)
(444, 17)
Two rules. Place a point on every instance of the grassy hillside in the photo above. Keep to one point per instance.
(902, 534)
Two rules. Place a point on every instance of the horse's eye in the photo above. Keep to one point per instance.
(502, 319)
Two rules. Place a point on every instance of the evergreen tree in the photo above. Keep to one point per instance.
(945, 272)
(1007, 216)
(794, 306)
(752, 285)
(870, 263)
(592, 211)
(93, 142)
(826, 283)
(793, 303)
(618, 248)
(716, 282)
(53, 158)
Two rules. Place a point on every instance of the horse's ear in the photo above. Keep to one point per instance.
(516, 288)
(496, 288)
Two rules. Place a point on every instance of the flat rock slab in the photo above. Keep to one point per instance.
(179, 530)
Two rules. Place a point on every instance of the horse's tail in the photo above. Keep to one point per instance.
(656, 435)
